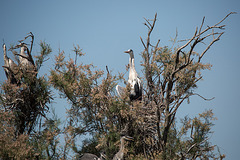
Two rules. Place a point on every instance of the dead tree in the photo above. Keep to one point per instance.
(171, 76)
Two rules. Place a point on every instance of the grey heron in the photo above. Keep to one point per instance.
(90, 156)
(9, 66)
(119, 155)
(133, 80)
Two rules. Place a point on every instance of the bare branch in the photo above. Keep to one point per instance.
(197, 143)
(216, 39)
(22, 56)
(201, 25)
(179, 104)
(157, 44)
(107, 70)
(30, 57)
(143, 43)
(206, 99)
(210, 34)
(182, 47)
(31, 42)
(213, 33)
(225, 17)
(108, 73)
(148, 23)
(175, 39)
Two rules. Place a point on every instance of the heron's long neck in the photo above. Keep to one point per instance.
(5, 54)
(131, 61)
(132, 71)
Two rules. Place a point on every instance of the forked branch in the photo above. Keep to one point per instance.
(198, 37)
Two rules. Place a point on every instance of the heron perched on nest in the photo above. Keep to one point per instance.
(133, 80)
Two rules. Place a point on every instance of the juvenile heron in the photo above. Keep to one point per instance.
(9, 66)
(23, 58)
(119, 155)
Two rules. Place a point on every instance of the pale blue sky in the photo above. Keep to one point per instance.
(104, 29)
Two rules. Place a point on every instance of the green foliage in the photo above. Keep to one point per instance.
(45, 51)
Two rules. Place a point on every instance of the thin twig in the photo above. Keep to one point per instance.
(226, 17)
(201, 25)
(206, 99)
(143, 43)
(200, 57)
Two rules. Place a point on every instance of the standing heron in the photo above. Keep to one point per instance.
(119, 155)
(9, 66)
(90, 156)
(133, 80)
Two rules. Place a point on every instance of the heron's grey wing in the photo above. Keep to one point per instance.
(120, 90)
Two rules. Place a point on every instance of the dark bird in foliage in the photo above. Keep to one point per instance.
(89, 156)
(119, 155)
(9, 66)
(133, 80)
